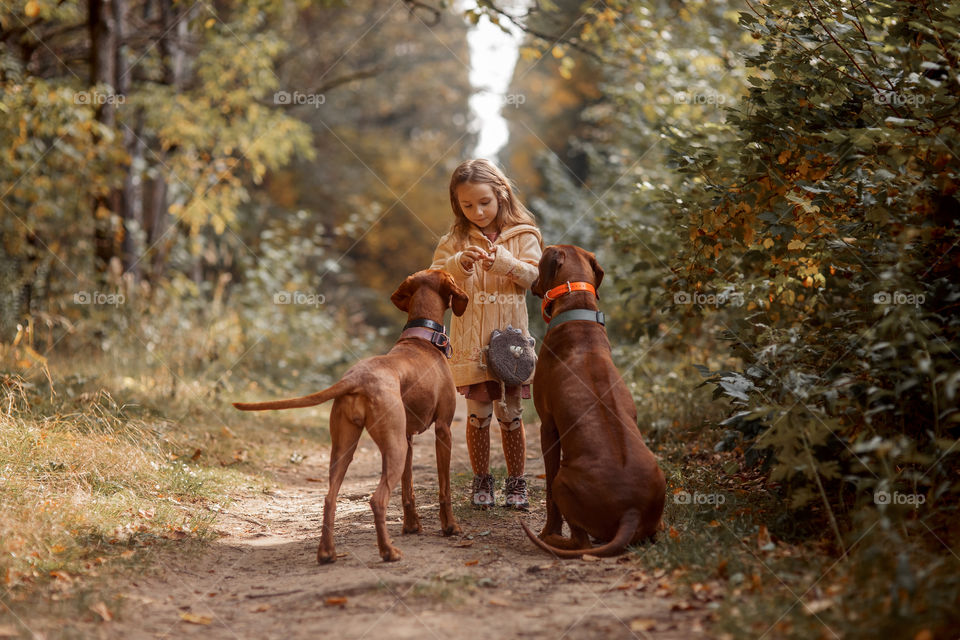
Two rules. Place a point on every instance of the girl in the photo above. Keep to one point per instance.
(492, 251)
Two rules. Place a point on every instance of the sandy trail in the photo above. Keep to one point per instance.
(261, 578)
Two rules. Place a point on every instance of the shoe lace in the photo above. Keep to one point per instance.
(483, 484)
(516, 486)
(486, 483)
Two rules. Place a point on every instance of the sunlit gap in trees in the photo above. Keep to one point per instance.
(493, 56)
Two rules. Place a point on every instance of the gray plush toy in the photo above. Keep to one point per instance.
(510, 356)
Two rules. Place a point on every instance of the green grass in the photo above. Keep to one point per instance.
(765, 570)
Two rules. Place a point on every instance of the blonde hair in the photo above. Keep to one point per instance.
(479, 171)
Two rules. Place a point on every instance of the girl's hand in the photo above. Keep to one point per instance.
(488, 259)
(470, 255)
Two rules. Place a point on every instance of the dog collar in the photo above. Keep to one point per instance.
(577, 314)
(562, 290)
(426, 323)
(439, 339)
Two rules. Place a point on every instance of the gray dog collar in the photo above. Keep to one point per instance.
(577, 314)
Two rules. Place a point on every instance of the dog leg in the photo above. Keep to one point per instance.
(345, 435)
(550, 445)
(391, 439)
(411, 520)
(448, 523)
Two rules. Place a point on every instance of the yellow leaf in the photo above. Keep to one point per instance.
(209, 23)
(643, 624)
(193, 618)
(557, 52)
(796, 245)
(768, 243)
(101, 610)
(32, 9)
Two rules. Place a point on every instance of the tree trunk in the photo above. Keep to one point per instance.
(157, 221)
(103, 59)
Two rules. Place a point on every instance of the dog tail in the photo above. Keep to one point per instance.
(339, 389)
(628, 526)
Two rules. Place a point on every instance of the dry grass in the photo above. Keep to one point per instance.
(111, 466)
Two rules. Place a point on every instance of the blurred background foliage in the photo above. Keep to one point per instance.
(194, 159)
(771, 187)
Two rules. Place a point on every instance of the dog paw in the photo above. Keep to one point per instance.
(326, 557)
(413, 527)
(452, 530)
(391, 555)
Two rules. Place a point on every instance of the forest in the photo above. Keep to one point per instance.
(210, 201)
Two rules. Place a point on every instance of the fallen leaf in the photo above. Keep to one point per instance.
(541, 476)
(335, 601)
(643, 624)
(129, 553)
(196, 454)
(8, 631)
(465, 543)
(60, 575)
(193, 618)
(101, 610)
(261, 608)
(590, 558)
(814, 607)
(722, 568)
(314, 479)
(674, 533)
(470, 563)
(498, 602)
(763, 536)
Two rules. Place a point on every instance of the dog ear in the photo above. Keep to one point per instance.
(451, 291)
(550, 263)
(597, 271)
(401, 297)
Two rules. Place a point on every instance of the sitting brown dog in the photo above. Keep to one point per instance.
(394, 396)
(600, 475)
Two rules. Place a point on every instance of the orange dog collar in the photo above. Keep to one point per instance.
(562, 290)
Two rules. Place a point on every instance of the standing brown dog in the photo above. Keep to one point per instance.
(394, 396)
(600, 475)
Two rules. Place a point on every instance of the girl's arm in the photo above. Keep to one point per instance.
(521, 268)
(446, 259)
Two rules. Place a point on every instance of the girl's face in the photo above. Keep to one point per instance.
(479, 204)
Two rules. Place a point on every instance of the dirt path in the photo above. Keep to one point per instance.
(261, 579)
